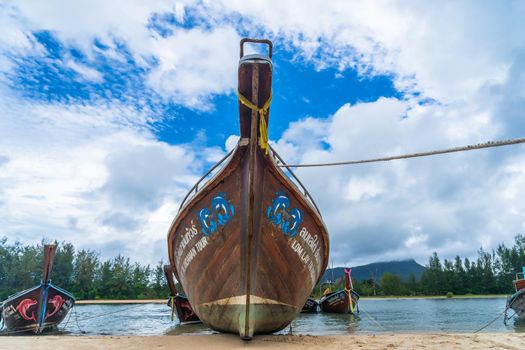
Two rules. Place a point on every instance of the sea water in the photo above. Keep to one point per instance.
(376, 316)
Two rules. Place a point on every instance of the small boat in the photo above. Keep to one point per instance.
(310, 306)
(249, 245)
(39, 308)
(342, 302)
(179, 303)
(516, 301)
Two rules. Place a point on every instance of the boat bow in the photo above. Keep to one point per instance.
(249, 246)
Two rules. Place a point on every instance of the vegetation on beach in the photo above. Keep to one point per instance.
(87, 276)
(491, 273)
(80, 272)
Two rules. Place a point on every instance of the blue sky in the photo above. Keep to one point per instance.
(300, 89)
(110, 112)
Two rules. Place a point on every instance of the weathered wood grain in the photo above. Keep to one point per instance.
(249, 274)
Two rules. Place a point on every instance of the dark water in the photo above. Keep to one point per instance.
(376, 316)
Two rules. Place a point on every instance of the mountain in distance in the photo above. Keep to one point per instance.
(401, 268)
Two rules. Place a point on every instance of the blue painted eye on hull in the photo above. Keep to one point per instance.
(221, 212)
(223, 209)
(207, 224)
(282, 216)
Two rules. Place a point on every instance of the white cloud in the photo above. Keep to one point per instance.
(467, 57)
(453, 204)
(360, 188)
(90, 174)
(80, 22)
(15, 40)
(187, 67)
(446, 50)
(85, 72)
(231, 142)
(195, 65)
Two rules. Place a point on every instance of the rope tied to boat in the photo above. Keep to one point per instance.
(491, 322)
(263, 111)
(489, 144)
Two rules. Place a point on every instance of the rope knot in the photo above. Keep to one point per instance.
(263, 111)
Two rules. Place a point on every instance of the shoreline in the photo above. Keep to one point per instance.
(228, 341)
(164, 301)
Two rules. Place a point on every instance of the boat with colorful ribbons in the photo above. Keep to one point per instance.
(249, 245)
(39, 308)
(178, 303)
(516, 301)
(344, 301)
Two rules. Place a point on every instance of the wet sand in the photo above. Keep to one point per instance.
(484, 341)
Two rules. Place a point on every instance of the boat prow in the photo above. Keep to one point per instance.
(249, 246)
(516, 301)
(178, 303)
(342, 302)
(38, 308)
(310, 306)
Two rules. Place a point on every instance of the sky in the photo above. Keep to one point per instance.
(111, 110)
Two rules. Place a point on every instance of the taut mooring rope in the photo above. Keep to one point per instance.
(111, 313)
(491, 322)
(488, 144)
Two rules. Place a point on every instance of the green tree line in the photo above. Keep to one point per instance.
(80, 272)
(84, 274)
(491, 273)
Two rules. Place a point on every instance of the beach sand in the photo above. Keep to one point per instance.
(484, 341)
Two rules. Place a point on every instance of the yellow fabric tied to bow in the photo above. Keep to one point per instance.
(263, 111)
(349, 293)
(172, 307)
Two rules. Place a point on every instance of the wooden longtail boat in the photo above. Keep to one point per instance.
(310, 306)
(38, 308)
(342, 302)
(179, 303)
(516, 301)
(250, 245)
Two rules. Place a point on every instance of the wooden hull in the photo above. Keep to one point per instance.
(36, 309)
(339, 302)
(183, 309)
(310, 306)
(240, 281)
(516, 302)
(249, 247)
